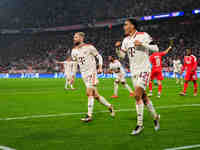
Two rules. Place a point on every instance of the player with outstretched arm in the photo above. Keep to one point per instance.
(137, 45)
(156, 72)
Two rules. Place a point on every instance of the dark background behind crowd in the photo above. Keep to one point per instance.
(48, 13)
(39, 52)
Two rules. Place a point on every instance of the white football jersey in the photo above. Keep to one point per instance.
(70, 67)
(177, 65)
(116, 67)
(138, 56)
(85, 56)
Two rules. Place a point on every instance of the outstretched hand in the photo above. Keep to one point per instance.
(118, 44)
(100, 70)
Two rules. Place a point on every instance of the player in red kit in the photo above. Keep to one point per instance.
(156, 73)
(190, 65)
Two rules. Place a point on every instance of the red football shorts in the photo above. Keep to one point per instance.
(191, 76)
(156, 74)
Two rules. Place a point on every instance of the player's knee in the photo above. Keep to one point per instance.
(117, 82)
(123, 82)
(137, 97)
(89, 94)
(145, 98)
(96, 97)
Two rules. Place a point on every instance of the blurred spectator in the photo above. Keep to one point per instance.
(47, 13)
(38, 53)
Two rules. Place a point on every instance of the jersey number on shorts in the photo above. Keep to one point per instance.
(131, 51)
(144, 76)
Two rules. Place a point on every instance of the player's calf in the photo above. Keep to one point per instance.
(152, 110)
(195, 87)
(103, 101)
(139, 127)
(90, 94)
(140, 111)
(156, 123)
(159, 88)
(183, 93)
(112, 111)
(88, 117)
(150, 89)
(128, 88)
(66, 85)
(116, 85)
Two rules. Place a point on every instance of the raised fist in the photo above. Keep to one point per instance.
(117, 44)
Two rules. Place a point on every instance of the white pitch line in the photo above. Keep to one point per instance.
(184, 147)
(6, 148)
(80, 113)
(47, 90)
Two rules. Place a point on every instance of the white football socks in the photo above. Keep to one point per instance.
(116, 85)
(140, 111)
(151, 109)
(90, 105)
(103, 101)
(66, 84)
(128, 87)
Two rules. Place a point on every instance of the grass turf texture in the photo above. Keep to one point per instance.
(27, 97)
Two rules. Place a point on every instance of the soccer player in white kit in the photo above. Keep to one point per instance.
(137, 45)
(116, 67)
(70, 69)
(85, 55)
(177, 70)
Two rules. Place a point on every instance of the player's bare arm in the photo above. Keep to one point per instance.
(100, 60)
(110, 71)
(168, 49)
(59, 62)
(117, 44)
(120, 52)
(151, 47)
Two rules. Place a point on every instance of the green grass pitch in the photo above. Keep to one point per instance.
(37, 114)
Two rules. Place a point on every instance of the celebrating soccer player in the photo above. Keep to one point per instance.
(156, 73)
(116, 67)
(190, 65)
(137, 45)
(70, 68)
(85, 55)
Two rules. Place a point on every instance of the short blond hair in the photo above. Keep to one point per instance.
(82, 34)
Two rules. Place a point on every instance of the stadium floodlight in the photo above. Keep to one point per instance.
(196, 11)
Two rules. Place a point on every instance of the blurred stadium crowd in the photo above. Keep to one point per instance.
(39, 53)
(46, 13)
